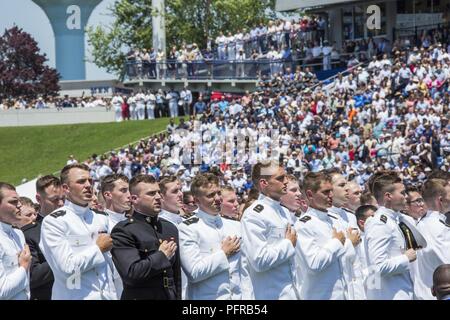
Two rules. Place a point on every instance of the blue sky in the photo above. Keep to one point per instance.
(28, 16)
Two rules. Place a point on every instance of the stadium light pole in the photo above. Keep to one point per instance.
(68, 19)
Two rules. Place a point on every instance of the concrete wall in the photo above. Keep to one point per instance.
(32, 117)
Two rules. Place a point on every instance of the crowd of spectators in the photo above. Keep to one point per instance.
(392, 114)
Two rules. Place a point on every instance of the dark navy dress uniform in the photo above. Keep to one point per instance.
(41, 276)
(146, 272)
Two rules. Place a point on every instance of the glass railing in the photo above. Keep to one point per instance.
(221, 69)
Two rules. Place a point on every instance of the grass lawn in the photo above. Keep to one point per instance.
(26, 152)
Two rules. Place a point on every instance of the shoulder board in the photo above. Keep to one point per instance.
(29, 226)
(383, 218)
(258, 208)
(444, 223)
(188, 215)
(230, 218)
(331, 216)
(305, 219)
(99, 212)
(191, 220)
(58, 213)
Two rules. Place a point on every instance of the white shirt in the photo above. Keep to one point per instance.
(68, 242)
(14, 279)
(174, 218)
(320, 257)
(211, 274)
(437, 233)
(113, 219)
(342, 220)
(269, 256)
(385, 247)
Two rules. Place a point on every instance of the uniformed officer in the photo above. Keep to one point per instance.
(171, 203)
(116, 193)
(345, 221)
(75, 242)
(50, 197)
(268, 239)
(387, 252)
(172, 200)
(320, 245)
(292, 200)
(210, 245)
(292, 204)
(15, 256)
(145, 247)
(230, 205)
(362, 214)
(433, 226)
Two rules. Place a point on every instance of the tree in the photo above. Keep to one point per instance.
(22, 68)
(190, 21)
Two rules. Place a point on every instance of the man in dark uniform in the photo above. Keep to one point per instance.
(145, 248)
(50, 197)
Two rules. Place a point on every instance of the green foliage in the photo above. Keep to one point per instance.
(190, 21)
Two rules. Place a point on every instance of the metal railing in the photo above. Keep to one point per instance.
(223, 69)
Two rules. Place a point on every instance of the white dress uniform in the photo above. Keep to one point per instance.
(211, 274)
(68, 242)
(140, 106)
(320, 257)
(362, 256)
(176, 219)
(342, 220)
(385, 246)
(437, 233)
(117, 103)
(269, 256)
(113, 219)
(14, 279)
(132, 103)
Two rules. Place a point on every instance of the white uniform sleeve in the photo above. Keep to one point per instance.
(317, 257)
(262, 255)
(197, 266)
(56, 249)
(12, 284)
(378, 239)
(440, 241)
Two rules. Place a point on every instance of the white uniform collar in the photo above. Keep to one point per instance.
(269, 201)
(390, 213)
(436, 214)
(322, 215)
(78, 210)
(115, 217)
(7, 228)
(208, 218)
(170, 216)
(336, 211)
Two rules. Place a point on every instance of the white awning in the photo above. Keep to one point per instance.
(285, 5)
